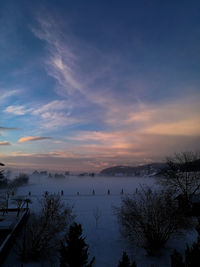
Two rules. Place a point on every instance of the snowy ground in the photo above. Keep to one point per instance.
(105, 242)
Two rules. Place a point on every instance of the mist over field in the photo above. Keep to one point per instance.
(105, 242)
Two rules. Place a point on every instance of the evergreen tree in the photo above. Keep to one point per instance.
(1, 174)
(3, 179)
(1, 171)
(176, 259)
(74, 250)
(125, 262)
(192, 255)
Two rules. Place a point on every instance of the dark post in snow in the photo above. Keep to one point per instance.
(108, 192)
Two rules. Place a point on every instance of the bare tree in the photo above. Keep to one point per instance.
(4, 200)
(97, 214)
(4, 203)
(150, 218)
(42, 231)
(19, 202)
(183, 174)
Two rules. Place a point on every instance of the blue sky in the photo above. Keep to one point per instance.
(89, 84)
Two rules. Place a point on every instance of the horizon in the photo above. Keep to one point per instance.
(86, 86)
(31, 169)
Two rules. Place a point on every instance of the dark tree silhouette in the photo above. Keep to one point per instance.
(177, 259)
(182, 174)
(125, 262)
(192, 254)
(150, 218)
(21, 179)
(2, 174)
(74, 250)
(42, 233)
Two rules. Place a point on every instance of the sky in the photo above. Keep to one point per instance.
(85, 85)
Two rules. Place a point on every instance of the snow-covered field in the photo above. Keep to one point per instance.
(105, 242)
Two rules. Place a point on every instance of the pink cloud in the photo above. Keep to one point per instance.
(32, 138)
(4, 143)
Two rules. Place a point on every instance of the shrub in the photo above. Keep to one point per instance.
(150, 218)
(21, 179)
(42, 231)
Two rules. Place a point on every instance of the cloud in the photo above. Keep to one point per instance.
(8, 128)
(5, 94)
(32, 138)
(81, 73)
(73, 63)
(17, 110)
(51, 115)
(4, 143)
(111, 149)
(185, 127)
(62, 62)
(52, 106)
(54, 114)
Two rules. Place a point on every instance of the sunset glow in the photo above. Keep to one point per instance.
(86, 85)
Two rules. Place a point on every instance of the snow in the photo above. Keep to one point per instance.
(105, 242)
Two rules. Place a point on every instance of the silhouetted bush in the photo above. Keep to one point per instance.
(41, 235)
(21, 179)
(150, 218)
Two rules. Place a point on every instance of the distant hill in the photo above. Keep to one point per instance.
(148, 169)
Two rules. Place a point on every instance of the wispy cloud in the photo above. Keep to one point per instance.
(62, 62)
(54, 114)
(51, 115)
(4, 143)
(32, 138)
(8, 128)
(5, 94)
(52, 106)
(17, 110)
(78, 68)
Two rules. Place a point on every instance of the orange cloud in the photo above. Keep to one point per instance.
(5, 143)
(186, 127)
(32, 138)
